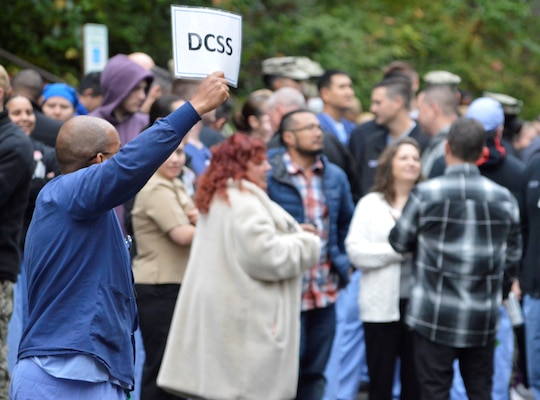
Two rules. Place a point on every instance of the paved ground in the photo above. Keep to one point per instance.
(362, 396)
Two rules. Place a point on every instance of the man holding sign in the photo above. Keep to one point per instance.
(78, 342)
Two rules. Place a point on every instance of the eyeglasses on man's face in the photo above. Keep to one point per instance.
(309, 127)
(105, 153)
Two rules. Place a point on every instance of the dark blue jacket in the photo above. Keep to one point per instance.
(338, 200)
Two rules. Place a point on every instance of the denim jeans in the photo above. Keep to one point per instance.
(531, 312)
(317, 334)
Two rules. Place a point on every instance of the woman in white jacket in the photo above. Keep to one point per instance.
(236, 326)
(386, 275)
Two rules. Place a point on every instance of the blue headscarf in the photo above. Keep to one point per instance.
(65, 91)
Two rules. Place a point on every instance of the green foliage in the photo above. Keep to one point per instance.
(491, 44)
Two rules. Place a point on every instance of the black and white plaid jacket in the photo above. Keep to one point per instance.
(464, 231)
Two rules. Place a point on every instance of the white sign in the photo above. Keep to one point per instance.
(96, 47)
(206, 40)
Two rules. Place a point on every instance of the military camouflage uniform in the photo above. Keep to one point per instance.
(6, 308)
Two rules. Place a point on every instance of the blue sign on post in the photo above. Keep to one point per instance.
(96, 47)
(96, 55)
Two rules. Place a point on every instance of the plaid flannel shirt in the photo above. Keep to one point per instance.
(319, 286)
(464, 231)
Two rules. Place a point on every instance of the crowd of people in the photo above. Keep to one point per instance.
(161, 241)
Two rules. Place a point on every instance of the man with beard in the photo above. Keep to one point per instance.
(288, 99)
(316, 193)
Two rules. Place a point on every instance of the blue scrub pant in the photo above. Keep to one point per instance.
(531, 312)
(30, 382)
(347, 365)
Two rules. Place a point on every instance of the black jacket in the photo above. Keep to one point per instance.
(16, 168)
(359, 137)
(530, 220)
(46, 129)
(51, 165)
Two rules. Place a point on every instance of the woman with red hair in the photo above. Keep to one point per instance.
(236, 327)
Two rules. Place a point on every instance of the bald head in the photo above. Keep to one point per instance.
(143, 59)
(288, 97)
(283, 101)
(82, 139)
(28, 83)
(444, 96)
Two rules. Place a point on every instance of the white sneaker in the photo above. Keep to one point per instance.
(520, 392)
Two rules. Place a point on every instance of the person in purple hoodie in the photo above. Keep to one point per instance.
(124, 85)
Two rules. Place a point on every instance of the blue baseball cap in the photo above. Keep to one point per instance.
(488, 112)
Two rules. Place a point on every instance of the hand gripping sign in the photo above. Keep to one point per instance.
(206, 40)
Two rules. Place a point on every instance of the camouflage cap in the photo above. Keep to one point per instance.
(510, 105)
(297, 68)
(313, 68)
(441, 78)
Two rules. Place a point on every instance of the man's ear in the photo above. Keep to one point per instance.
(436, 108)
(253, 122)
(399, 101)
(287, 137)
(218, 125)
(87, 92)
(323, 94)
(100, 157)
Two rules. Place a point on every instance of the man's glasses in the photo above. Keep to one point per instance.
(105, 153)
(310, 127)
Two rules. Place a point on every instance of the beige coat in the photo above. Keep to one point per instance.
(236, 327)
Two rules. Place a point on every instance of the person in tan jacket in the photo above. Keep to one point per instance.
(236, 327)
(163, 218)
